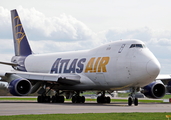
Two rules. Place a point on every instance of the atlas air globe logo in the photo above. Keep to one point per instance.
(19, 32)
(77, 65)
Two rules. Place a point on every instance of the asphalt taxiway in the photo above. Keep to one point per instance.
(32, 107)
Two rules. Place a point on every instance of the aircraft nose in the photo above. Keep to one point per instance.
(153, 67)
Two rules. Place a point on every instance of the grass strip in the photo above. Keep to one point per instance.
(91, 116)
(125, 100)
(112, 100)
(12, 98)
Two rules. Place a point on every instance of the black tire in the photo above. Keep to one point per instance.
(46, 99)
(73, 99)
(130, 101)
(136, 101)
(82, 99)
(99, 99)
(107, 99)
(40, 99)
(53, 99)
(61, 99)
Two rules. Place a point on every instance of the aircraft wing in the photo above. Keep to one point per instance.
(68, 79)
(165, 78)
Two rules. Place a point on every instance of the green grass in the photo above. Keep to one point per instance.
(17, 98)
(112, 100)
(166, 97)
(125, 100)
(91, 116)
(124, 95)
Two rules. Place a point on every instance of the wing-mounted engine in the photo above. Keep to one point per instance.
(20, 87)
(154, 90)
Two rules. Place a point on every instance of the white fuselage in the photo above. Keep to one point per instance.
(114, 66)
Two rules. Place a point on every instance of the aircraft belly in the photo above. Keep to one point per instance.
(86, 87)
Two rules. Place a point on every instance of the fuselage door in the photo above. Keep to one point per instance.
(121, 48)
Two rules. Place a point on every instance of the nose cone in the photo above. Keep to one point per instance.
(153, 67)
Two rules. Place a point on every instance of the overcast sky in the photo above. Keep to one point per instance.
(64, 25)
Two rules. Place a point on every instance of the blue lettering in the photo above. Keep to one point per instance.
(61, 66)
(65, 61)
(55, 66)
(72, 66)
(80, 65)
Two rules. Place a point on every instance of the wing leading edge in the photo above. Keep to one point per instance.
(165, 78)
(68, 79)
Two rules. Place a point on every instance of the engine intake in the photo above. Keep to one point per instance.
(20, 87)
(154, 90)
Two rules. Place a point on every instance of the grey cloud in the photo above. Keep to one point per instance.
(5, 24)
(6, 46)
(61, 28)
(143, 34)
(160, 42)
(149, 36)
(39, 27)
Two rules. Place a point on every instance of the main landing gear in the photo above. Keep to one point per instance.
(103, 99)
(43, 98)
(132, 98)
(77, 98)
(58, 99)
(47, 99)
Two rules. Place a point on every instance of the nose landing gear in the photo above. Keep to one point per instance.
(132, 98)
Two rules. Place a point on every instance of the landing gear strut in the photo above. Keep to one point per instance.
(57, 98)
(43, 98)
(77, 98)
(47, 99)
(132, 98)
(103, 99)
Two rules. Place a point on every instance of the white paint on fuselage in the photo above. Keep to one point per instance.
(127, 67)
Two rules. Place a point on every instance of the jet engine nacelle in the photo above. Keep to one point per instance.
(20, 87)
(154, 90)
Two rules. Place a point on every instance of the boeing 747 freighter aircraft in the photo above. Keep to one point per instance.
(118, 65)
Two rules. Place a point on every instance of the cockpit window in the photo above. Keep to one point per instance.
(137, 46)
(133, 45)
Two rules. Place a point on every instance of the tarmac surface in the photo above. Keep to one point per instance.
(32, 107)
